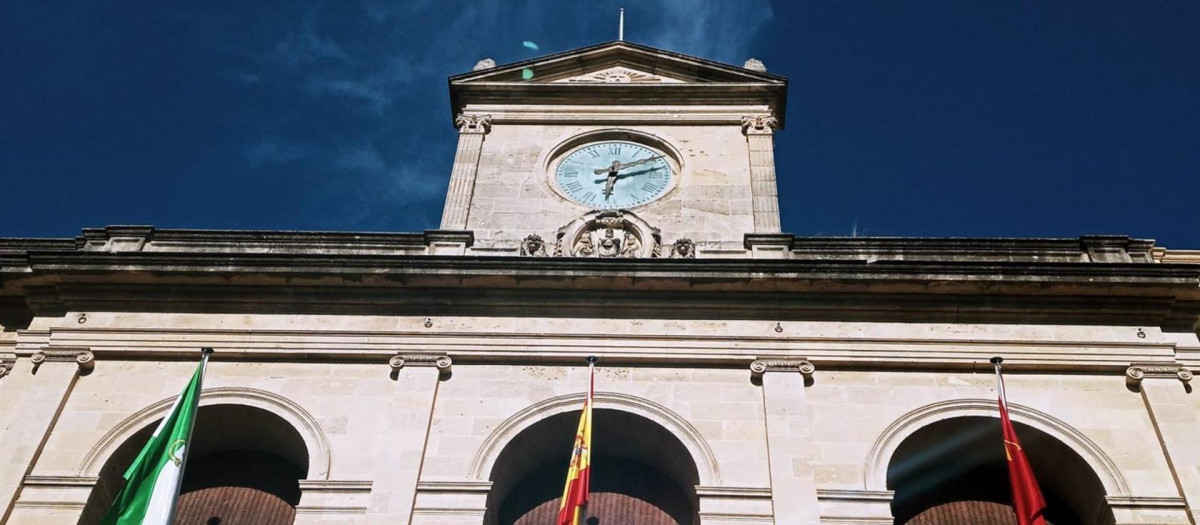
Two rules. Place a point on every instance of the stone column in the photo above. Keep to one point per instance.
(759, 131)
(789, 440)
(1175, 413)
(32, 395)
(407, 414)
(471, 129)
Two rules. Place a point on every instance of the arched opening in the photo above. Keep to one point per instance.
(954, 471)
(245, 466)
(641, 473)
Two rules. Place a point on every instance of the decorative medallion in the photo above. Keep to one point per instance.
(607, 234)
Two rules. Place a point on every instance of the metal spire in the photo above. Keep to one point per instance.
(621, 26)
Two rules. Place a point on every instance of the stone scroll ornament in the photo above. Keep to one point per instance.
(607, 234)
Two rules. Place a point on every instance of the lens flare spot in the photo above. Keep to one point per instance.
(526, 73)
(530, 45)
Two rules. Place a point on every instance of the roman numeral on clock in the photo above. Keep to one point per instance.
(614, 149)
(593, 153)
(573, 186)
(649, 187)
(589, 196)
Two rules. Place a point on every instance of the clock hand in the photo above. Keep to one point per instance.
(617, 166)
(608, 187)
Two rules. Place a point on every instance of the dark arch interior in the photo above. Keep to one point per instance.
(641, 473)
(244, 467)
(954, 471)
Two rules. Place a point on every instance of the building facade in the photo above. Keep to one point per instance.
(615, 201)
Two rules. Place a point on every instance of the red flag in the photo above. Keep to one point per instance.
(1027, 497)
(575, 493)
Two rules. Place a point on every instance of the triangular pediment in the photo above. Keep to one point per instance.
(618, 74)
(617, 62)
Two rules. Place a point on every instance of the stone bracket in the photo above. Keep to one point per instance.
(1137, 372)
(439, 361)
(769, 245)
(448, 242)
(6, 365)
(79, 355)
(761, 366)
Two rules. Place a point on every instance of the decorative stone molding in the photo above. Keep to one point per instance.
(533, 246)
(769, 245)
(683, 249)
(300, 419)
(1139, 371)
(706, 461)
(80, 356)
(448, 242)
(325, 497)
(480, 124)
(889, 440)
(618, 75)
(441, 362)
(754, 64)
(6, 365)
(759, 125)
(608, 234)
(762, 366)
(483, 64)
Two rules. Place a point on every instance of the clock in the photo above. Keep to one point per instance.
(614, 174)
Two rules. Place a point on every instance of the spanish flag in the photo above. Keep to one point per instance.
(575, 494)
(1027, 496)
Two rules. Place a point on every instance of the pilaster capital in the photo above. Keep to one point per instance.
(441, 362)
(759, 125)
(6, 365)
(761, 366)
(480, 124)
(1141, 371)
(80, 356)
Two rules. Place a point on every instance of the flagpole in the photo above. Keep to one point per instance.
(999, 379)
(591, 361)
(187, 449)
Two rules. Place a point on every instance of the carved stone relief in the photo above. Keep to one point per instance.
(607, 234)
(683, 249)
(533, 246)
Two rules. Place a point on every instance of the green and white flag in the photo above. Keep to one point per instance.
(154, 477)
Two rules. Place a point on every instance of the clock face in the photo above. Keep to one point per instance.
(613, 174)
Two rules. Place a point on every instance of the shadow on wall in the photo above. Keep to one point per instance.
(245, 467)
(954, 471)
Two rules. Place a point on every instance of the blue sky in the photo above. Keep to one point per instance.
(931, 118)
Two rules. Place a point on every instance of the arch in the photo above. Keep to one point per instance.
(303, 422)
(697, 447)
(885, 446)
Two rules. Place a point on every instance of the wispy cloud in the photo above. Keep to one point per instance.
(719, 30)
(276, 151)
(373, 81)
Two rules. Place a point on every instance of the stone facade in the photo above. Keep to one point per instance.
(409, 375)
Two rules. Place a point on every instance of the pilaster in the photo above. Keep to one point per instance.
(408, 413)
(33, 394)
(1175, 412)
(471, 129)
(789, 439)
(759, 132)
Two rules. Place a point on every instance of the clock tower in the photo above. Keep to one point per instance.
(615, 150)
